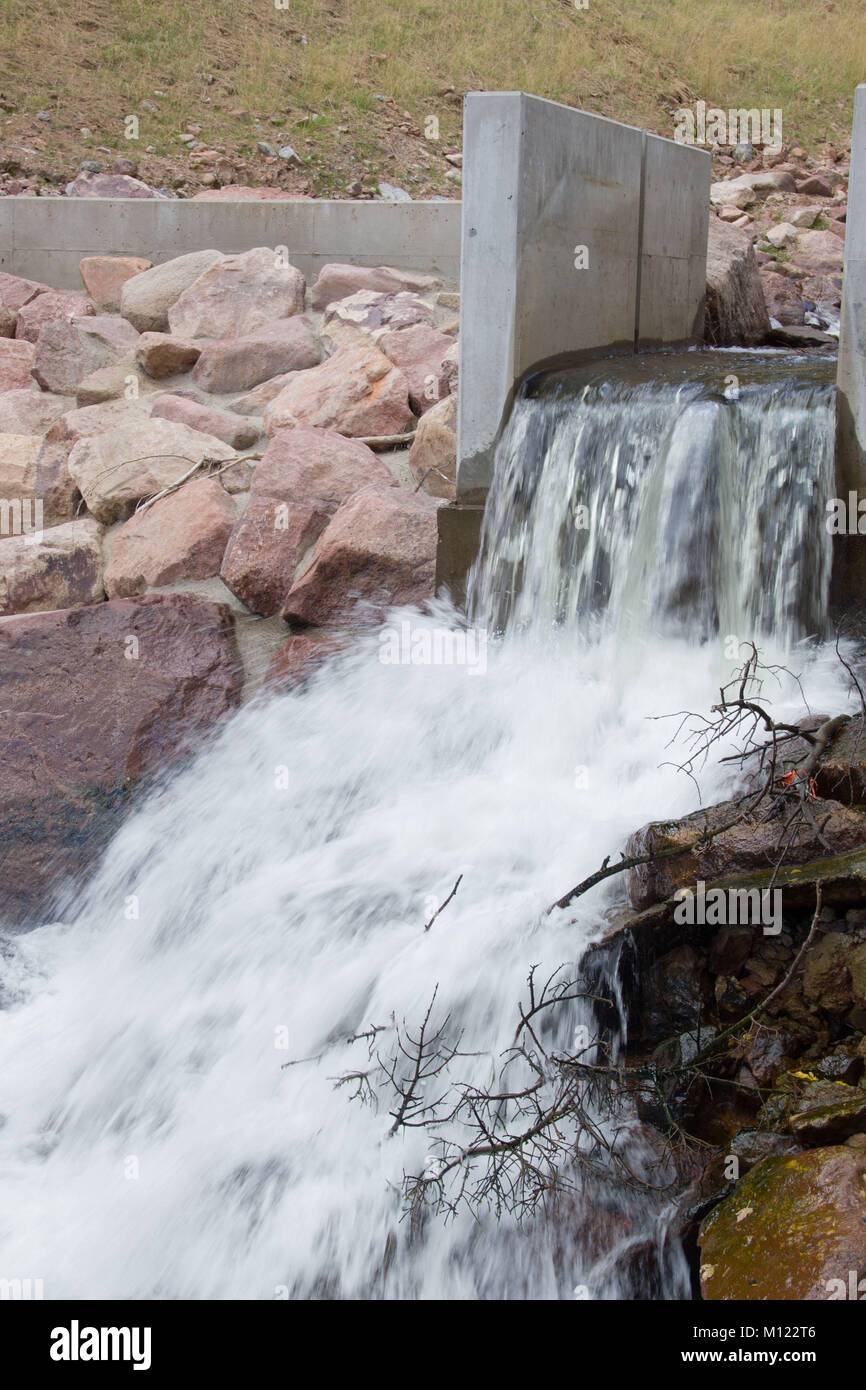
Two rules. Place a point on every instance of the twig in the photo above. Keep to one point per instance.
(442, 906)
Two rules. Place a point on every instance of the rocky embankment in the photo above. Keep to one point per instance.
(747, 1046)
(776, 247)
(208, 472)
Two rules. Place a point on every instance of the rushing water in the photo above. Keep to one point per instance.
(269, 902)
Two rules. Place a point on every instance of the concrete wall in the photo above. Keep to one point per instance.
(541, 180)
(45, 238)
(849, 561)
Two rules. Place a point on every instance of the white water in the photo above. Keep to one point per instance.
(154, 1039)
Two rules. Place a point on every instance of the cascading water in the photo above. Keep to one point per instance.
(154, 1142)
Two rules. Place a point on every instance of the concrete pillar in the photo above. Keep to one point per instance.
(849, 556)
(579, 235)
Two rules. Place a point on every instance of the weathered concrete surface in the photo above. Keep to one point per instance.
(458, 545)
(579, 234)
(849, 552)
(52, 235)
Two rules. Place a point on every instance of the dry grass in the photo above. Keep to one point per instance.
(92, 62)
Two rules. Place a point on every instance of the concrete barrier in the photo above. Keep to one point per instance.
(45, 238)
(849, 559)
(580, 235)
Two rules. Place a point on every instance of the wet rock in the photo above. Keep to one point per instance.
(237, 430)
(751, 1146)
(118, 468)
(55, 568)
(782, 298)
(790, 1228)
(765, 1054)
(419, 352)
(237, 295)
(830, 1123)
(735, 308)
(358, 391)
(162, 355)
(298, 659)
(95, 697)
(730, 948)
(237, 364)
(433, 455)
(183, 536)
(379, 549)
(50, 307)
(826, 977)
(749, 845)
(104, 277)
(298, 485)
(839, 1067)
(842, 771)
(338, 281)
(146, 299)
(674, 994)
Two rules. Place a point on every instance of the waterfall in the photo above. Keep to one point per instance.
(172, 1123)
(675, 503)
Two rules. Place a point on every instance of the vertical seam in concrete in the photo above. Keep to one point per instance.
(640, 219)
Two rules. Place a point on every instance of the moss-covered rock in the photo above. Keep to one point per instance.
(790, 1227)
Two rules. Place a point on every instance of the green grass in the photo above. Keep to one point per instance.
(634, 60)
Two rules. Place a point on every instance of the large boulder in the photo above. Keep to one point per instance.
(782, 298)
(28, 410)
(68, 351)
(433, 455)
(161, 355)
(57, 568)
(302, 479)
(237, 364)
(50, 307)
(337, 281)
(736, 313)
(146, 299)
(819, 250)
(36, 488)
(237, 295)
(120, 467)
(358, 391)
(183, 536)
(16, 361)
(105, 276)
(370, 312)
(90, 185)
(379, 549)
(72, 425)
(420, 351)
(792, 1229)
(237, 430)
(93, 698)
(15, 291)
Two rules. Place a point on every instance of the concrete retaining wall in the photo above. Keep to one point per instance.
(849, 559)
(45, 238)
(541, 182)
